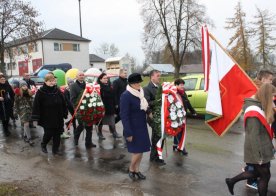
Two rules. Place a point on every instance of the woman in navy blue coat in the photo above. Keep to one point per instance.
(133, 107)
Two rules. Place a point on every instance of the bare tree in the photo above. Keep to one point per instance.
(240, 49)
(264, 27)
(172, 24)
(18, 19)
(107, 50)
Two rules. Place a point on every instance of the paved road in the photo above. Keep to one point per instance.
(102, 170)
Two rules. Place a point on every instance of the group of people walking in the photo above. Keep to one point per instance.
(124, 100)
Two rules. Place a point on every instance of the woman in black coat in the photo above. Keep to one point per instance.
(49, 109)
(6, 101)
(108, 98)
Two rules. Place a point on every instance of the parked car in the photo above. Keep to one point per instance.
(194, 87)
(38, 81)
(92, 78)
(14, 81)
(51, 67)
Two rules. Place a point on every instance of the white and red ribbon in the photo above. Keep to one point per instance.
(257, 112)
(168, 88)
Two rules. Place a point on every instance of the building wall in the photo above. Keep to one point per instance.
(29, 61)
(98, 65)
(26, 59)
(78, 59)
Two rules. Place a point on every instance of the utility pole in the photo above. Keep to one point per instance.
(80, 17)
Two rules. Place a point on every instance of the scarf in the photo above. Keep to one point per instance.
(140, 94)
(180, 92)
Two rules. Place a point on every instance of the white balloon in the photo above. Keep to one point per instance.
(93, 71)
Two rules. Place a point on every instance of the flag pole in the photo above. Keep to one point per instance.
(226, 52)
(213, 38)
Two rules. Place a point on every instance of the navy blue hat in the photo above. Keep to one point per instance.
(134, 78)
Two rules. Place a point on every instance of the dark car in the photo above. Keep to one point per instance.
(51, 67)
(38, 81)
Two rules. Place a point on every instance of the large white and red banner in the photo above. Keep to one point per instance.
(229, 85)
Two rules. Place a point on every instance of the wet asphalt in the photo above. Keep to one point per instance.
(103, 170)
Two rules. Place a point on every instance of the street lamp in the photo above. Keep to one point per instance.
(80, 18)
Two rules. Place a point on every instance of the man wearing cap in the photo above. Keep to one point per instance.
(76, 90)
(150, 92)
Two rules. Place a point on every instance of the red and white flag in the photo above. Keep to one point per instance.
(229, 85)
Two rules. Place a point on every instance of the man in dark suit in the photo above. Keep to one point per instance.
(76, 90)
(150, 92)
(119, 86)
(28, 80)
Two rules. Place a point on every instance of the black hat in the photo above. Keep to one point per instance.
(134, 78)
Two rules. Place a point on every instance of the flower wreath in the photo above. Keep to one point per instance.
(91, 108)
(168, 113)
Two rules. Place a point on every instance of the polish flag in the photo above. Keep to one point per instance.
(229, 85)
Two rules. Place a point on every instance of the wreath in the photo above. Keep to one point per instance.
(168, 112)
(91, 108)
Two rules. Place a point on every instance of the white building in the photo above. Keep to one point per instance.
(97, 62)
(50, 47)
(114, 64)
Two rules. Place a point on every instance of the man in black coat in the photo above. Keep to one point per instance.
(76, 90)
(119, 86)
(150, 92)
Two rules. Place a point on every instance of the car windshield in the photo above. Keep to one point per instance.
(190, 84)
(38, 80)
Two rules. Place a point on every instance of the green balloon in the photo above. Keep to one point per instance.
(60, 75)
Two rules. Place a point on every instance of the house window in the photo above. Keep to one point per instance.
(11, 66)
(57, 47)
(76, 47)
(32, 47)
(24, 49)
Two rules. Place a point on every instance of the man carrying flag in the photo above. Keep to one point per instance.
(227, 85)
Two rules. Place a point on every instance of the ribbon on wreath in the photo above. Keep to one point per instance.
(93, 88)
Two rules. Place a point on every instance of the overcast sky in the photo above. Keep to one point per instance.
(119, 21)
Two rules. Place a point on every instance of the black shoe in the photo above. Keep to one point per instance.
(175, 148)
(132, 175)
(91, 145)
(230, 186)
(57, 153)
(44, 149)
(140, 175)
(183, 152)
(101, 137)
(31, 142)
(76, 141)
(115, 135)
(27, 140)
(7, 133)
(160, 161)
